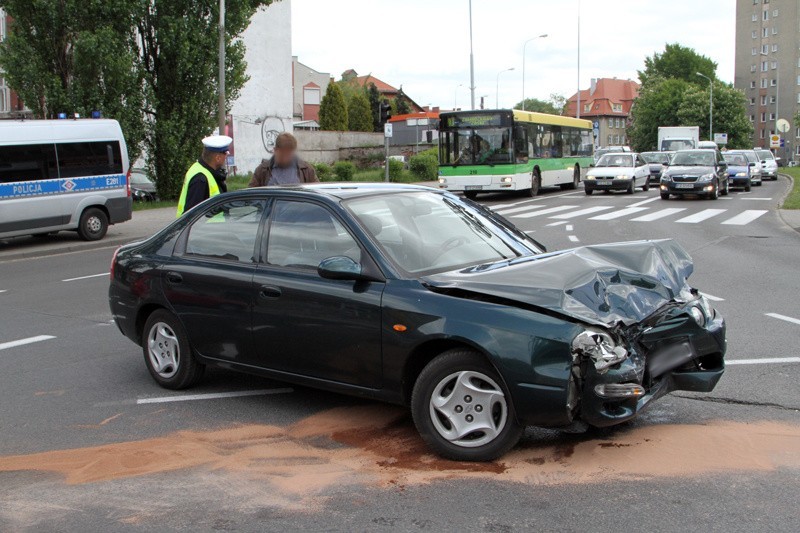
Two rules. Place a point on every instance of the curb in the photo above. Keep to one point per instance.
(71, 248)
(783, 199)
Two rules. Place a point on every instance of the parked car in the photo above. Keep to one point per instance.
(657, 161)
(413, 296)
(769, 164)
(618, 172)
(600, 152)
(142, 189)
(699, 172)
(753, 167)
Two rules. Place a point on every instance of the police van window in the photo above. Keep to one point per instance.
(76, 160)
(28, 162)
(227, 231)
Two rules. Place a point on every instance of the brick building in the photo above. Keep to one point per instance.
(607, 103)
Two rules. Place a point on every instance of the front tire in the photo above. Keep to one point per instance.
(631, 187)
(167, 352)
(462, 410)
(588, 192)
(665, 196)
(470, 195)
(93, 224)
(748, 186)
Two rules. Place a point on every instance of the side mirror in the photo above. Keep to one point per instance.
(764, 162)
(340, 267)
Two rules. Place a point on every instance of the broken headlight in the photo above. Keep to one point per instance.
(600, 347)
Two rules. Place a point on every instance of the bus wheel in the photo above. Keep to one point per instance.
(93, 224)
(576, 179)
(536, 183)
(470, 195)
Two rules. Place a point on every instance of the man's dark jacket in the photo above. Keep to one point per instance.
(262, 175)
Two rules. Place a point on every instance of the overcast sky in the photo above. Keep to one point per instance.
(423, 45)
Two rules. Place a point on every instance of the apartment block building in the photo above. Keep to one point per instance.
(768, 68)
(607, 103)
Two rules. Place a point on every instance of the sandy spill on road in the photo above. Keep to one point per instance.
(378, 445)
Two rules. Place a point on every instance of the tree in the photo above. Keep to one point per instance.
(657, 105)
(403, 105)
(359, 115)
(539, 106)
(333, 109)
(677, 62)
(375, 101)
(76, 57)
(730, 113)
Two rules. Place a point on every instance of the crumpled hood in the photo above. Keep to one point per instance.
(603, 284)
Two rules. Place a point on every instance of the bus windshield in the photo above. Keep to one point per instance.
(477, 146)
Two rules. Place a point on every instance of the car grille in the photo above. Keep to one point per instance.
(684, 179)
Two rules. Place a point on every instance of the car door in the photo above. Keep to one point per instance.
(209, 280)
(722, 170)
(305, 324)
(642, 172)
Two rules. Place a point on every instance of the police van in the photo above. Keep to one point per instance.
(63, 175)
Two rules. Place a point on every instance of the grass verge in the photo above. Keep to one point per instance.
(793, 200)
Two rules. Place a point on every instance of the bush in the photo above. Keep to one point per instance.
(395, 170)
(344, 170)
(324, 171)
(424, 167)
(433, 152)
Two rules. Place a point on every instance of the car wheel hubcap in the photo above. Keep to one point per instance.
(93, 224)
(163, 349)
(468, 409)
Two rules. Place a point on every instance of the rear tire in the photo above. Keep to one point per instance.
(576, 179)
(93, 224)
(646, 186)
(440, 397)
(167, 352)
(536, 184)
(726, 190)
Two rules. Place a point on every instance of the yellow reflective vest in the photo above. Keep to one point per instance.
(196, 168)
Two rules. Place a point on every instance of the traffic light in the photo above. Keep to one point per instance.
(386, 112)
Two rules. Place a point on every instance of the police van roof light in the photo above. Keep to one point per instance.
(62, 116)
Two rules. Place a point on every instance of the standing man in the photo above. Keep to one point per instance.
(206, 177)
(284, 168)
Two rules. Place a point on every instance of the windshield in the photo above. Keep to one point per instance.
(426, 232)
(615, 160)
(705, 158)
(655, 157)
(137, 178)
(481, 146)
(766, 154)
(737, 160)
(673, 145)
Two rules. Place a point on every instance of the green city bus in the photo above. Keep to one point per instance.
(511, 150)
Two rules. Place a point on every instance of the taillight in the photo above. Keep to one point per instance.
(128, 183)
(113, 263)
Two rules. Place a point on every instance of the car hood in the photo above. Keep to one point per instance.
(603, 284)
(689, 171)
(733, 169)
(610, 171)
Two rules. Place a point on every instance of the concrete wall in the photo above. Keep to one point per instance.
(331, 146)
(264, 107)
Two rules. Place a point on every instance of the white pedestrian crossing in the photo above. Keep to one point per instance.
(663, 213)
(745, 217)
(619, 214)
(506, 212)
(705, 214)
(582, 212)
(547, 211)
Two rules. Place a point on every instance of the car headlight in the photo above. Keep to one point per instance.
(506, 179)
(698, 315)
(741, 174)
(706, 177)
(589, 177)
(600, 347)
(622, 177)
(666, 177)
(442, 181)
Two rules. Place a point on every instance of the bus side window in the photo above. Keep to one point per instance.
(520, 143)
(28, 162)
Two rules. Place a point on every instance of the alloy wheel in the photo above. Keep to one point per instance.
(163, 350)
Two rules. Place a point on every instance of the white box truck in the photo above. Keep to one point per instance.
(673, 138)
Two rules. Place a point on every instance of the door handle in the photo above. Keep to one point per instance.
(268, 292)
(174, 277)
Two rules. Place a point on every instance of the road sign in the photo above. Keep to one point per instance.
(596, 125)
(721, 138)
(783, 125)
(387, 130)
(774, 141)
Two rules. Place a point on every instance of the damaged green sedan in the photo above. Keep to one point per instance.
(413, 296)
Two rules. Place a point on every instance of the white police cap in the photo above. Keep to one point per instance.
(217, 143)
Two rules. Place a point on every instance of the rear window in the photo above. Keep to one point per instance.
(765, 154)
(29, 162)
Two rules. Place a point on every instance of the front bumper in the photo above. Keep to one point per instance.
(739, 181)
(603, 184)
(686, 187)
(674, 354)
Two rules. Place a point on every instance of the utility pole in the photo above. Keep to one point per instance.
(710, 106)
(471, 61)
(578, 104)
(221, 103)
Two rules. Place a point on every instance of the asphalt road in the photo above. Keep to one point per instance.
(89, 442)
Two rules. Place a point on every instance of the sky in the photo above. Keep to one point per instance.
(423, 45)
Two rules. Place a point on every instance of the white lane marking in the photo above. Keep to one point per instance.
(569, 227)
(23, 342)
(2, 291)
(573, 238)
(537, 199)
(212, 396)
(581, 212)
(505, 212)
(659, 214)
(645, 201)
(784, 318)
(705, 214)
(531, 231)
(764, 361)
(713, 298)
(547, 211)
(618, 214)
(745, 217)
(756, 198)
(557, 223)
(86, 277)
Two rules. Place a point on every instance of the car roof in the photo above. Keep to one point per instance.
(341, 190)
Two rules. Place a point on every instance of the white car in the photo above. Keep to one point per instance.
(768, 163)
(622, 171)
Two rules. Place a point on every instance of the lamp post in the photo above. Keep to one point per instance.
(497, 89)
(455, 96)
(221, 81)
(578, 103)
(710, 106)
(524, 47)
(777, 90)
(471, 61)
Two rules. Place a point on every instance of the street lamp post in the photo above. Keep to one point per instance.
(578, 102)
(455, 97)
(497, 90)
(524, 47)
(710, 106)
(471, 61)
(221, 81)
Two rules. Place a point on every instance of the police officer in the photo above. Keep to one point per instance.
(206, 177)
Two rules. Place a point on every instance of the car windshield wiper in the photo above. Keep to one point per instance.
(476, 225)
